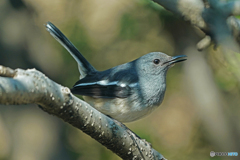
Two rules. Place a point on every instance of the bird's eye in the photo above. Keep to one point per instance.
(156, 61)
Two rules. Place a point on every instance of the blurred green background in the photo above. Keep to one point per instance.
(200, 112)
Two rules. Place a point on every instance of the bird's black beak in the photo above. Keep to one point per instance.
(175, 59)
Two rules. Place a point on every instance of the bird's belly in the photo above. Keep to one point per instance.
(119, 109)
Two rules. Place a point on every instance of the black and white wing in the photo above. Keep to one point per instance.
(120, 86)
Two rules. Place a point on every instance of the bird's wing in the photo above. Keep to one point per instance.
(100, 90)
(116, 86)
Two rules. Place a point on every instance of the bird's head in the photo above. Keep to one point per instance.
(156, 63)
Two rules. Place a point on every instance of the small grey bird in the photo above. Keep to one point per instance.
(126, 92)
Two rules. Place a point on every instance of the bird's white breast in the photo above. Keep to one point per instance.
(119, 108)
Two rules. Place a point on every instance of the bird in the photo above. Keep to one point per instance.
(126, 92)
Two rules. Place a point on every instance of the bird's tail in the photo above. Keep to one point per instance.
(84, 66)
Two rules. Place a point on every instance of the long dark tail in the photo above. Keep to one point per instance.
(84, 66)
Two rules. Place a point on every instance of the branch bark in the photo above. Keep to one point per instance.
(31, 86)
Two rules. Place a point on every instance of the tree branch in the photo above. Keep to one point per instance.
(31, 86)
(214, 18)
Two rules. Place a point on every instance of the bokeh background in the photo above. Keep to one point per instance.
(200, 112)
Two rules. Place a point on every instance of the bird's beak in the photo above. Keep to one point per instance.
(175, 59)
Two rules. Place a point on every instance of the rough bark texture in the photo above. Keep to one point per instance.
(31, 86)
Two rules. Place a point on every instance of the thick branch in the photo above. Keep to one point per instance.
(31, 86)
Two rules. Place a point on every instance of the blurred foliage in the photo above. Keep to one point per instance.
(107, 33)
(129, 27)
